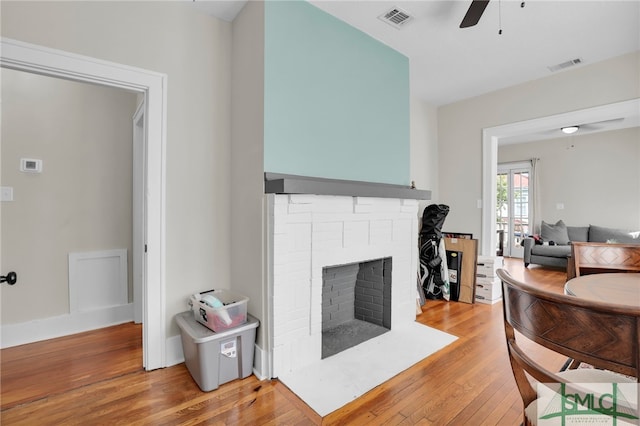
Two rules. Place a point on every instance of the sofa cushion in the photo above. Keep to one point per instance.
(554, 232)
(600, 234)
(551, 251)
(578, 233)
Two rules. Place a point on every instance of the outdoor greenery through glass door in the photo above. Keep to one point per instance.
(512, 209)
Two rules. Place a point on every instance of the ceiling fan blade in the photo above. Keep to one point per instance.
(474, 13)
(597, 125)
(612, 120)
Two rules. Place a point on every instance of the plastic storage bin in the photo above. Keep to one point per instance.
(232, 314)
(217, 358)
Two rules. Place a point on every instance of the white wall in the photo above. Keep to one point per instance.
(596, 177)
(247, 160)
(194, 50)
(424, 149)
(460, 125)
(82, 199)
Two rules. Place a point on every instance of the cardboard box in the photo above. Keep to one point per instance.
(487, 281)
(490, 292)
(466, 280)
(486, 266)
(480, 299)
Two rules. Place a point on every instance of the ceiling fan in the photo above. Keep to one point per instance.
(474, 13)
(589, 127)
(599, 125)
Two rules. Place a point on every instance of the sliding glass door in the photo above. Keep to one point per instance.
(512, 207)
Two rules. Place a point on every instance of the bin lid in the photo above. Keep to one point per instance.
(201, 334)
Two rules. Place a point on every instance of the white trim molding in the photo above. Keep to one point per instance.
(27, 57)
(64, 325)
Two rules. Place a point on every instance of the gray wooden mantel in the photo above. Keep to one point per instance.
(276, 183)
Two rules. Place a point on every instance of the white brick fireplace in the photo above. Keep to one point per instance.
(309, 232)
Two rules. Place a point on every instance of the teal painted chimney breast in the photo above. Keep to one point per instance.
(336, 100)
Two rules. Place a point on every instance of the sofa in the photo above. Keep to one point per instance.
(554, 245)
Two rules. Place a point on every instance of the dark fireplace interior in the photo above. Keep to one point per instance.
(356, 304)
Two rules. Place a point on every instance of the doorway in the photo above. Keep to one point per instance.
(512, 206)
(152, 86)
(492, 137)
(67, 231)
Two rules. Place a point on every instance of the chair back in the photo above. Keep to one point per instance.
(602, 335)
(605, 257)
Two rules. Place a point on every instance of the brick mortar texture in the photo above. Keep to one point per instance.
(317, 231)
(360, 290)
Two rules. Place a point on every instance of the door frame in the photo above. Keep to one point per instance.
(139, 208)
(32, 58)
(509, 168)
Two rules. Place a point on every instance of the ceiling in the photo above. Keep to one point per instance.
(448, 64)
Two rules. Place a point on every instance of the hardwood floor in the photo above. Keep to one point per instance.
(97, 378)
(35, 371)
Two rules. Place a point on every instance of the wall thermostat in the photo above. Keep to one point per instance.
(30, 165)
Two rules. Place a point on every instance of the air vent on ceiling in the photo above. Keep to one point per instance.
(395, 17)
(567, 64)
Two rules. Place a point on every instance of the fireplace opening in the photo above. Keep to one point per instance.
(356, 304)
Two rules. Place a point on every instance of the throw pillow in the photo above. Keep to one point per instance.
(578, 233)
(555, 232)
(600, 234)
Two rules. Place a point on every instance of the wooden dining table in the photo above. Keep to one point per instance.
(619, 288)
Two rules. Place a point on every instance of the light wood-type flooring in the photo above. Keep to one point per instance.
(96, 378)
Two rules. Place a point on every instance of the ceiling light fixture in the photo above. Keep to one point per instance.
(570, 129)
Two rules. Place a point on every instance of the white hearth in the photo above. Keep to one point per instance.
(306, 233)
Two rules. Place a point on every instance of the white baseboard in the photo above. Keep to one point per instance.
(173, 351)
(63, 325)
(260, 363)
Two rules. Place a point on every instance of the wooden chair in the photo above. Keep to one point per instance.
(604, 257)
(602, 335)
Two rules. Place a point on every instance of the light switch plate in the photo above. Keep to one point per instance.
(6, 193)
